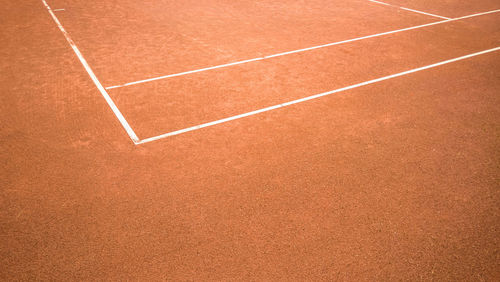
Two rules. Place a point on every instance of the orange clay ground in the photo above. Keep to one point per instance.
(390, 179)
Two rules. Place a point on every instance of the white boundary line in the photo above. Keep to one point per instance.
(104, 94)
(298, 51)
(424, 13)
(313, 97)
(408, 9)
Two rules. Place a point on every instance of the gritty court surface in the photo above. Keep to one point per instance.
(201, 140)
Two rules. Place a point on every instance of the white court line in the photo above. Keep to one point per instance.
(298, 51)
(408, 9)
(58, 10)
(313, 97)
(424, 13)
(105, 94)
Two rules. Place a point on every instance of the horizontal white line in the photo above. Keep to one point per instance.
(298, 51)
(96, 81)
(57, 10)
(312, 97)
(408, 9)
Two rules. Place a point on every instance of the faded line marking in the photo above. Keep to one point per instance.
(313, 97)
(298, 51)
(96, 81)
(408, 9)
(58, 10)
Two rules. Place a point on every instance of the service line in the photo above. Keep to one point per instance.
(96, 81)
(313, 97)
(408, 9)
(298, 50)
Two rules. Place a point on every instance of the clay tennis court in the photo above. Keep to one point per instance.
(215, 140)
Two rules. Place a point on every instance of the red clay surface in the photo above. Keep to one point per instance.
(397, 180)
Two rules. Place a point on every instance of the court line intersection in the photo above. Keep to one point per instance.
(410, 10)
(138, 141)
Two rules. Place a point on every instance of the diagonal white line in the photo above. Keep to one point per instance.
(312, 97)
(297, 51)
(96, 81)
(408, 9)
(424, 13)
(382, 3)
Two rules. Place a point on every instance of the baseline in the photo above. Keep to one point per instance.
(94, 78)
